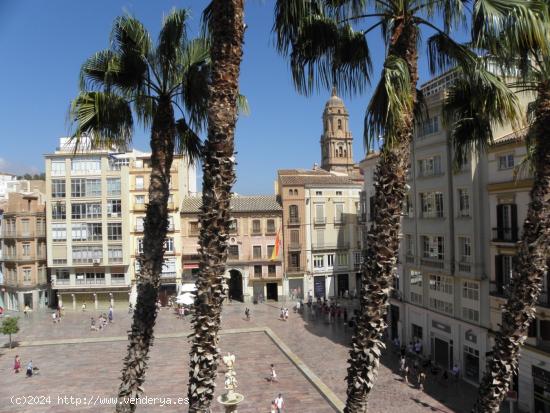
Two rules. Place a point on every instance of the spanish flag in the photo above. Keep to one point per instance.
(277, 246)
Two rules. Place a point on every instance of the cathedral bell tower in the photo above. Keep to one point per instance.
(336, 140)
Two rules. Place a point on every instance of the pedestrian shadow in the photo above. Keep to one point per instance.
(428, 405)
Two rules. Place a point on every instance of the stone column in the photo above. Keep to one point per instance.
(95, 301)
(74, 301)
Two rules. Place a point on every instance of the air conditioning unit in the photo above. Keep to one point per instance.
(97, 261)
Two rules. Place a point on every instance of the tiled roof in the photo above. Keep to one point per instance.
(239, 203)
(315, 177)
(510, 138)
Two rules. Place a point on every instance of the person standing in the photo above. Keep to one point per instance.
(421, 380)
(418, 347)
(402, 363)
(456, 372)
(273, 375)
(26, 311)
(280, 403)
(273, 407)
(130, 308)
(110, 314)
(247, 313)
(17, 364)
(29, 369)
(83, 307)
(406, 374)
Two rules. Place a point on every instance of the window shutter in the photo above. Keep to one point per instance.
(498, 274)
(500, 221)
(514, 209)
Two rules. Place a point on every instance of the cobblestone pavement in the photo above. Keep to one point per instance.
(87, 367)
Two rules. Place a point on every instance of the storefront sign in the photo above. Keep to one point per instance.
(441, 326)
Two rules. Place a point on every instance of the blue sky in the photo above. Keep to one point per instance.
(43, 44)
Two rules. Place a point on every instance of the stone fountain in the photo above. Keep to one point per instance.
(230, 399)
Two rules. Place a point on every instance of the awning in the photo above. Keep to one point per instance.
(191, 266)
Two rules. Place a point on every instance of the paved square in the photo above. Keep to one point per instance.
(73, 362)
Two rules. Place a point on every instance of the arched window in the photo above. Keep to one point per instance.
(339, 124)
(340, 151)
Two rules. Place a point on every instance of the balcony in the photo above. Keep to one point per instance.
(294, 221)
(271, 231)
(464, 266)
(409, 259)
(331, 246)
(503, 234)
(295, 246)
(61, 281)
(90, 281)
(118, 281)
(294, 269)
(320, 221)
(168, 274)
(340, 220)
(432, 263)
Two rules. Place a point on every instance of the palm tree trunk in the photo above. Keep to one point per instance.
(140, 336)
(218, 176)
(380, 255)
(531, 265)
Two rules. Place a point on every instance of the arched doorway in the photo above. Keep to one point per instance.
(236, 285)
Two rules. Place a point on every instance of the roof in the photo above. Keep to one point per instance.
(315, 177)
(239, 203)
(510, 138)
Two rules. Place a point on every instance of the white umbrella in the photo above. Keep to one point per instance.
(185, 299)
(185, 288)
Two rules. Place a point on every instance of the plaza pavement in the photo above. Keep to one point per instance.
(309, 356)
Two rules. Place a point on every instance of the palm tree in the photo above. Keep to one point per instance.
(518, 44)
(155, 82)
(326, 42)
(226, 27)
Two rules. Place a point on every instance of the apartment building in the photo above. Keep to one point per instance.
(88, 225)
(23, 245)
(182, 184)
(252, 269)
(6, 179)
(320, 206)
(508, 204)
(443, 284)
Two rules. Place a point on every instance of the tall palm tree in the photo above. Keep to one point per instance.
(326, 42)
(518, 44)
(225, 21)
(135, 78)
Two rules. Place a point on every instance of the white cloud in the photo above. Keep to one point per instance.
(18, 169)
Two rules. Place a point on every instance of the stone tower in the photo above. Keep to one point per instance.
(336, 140)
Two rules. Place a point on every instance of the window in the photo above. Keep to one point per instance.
(114, 208)
(506, 161)
(140, 245)
(115, 164)
(429, 166)
(409, 245)
(257, 271)
(115, 254)
(294, 238)
(113, 186)
(58, 168)
(59, 232)
(441, 306)
(139, 182)
(169, 268)
(118, 279)
(318, 193)
(170, 223)
(78, 187)
(320, 237)
(429, 126)
(463, 203)
(441, 284)
(416, 298)
(194, 228)
(330, 260)
(357, 258)
(433, 247)
(139, 224)
(233, 252)
(138, 163)
(431, 204)
(169, 244)
(504, 272)
(338, 193)
(341, 259)
(372, 208)
(83, 211)
(338, 213)
(86, 231)
(58, 211)
(507, 222)
(416, 279)
(233, 226)
(318, 261)
(87, 254)
(85, 166)
(465, 249)
(256, 226)
(62, 277)
(270, 226)
(470, 314)
(294, 260)
(25, 226)
(293, 214)
(470, 290)
(271, 270)
(58, 188)
(139, 199)
(27, 275)
(114, 231)
(90, 278)
(409, 210)
(93, 187)
(257, 252)
(26, 249)
(319, 213)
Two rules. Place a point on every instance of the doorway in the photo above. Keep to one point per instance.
(272, 291)
(27, 298)
(343, 284)
(319, 287)
(394, 312)
(236, 285)
(441, 352)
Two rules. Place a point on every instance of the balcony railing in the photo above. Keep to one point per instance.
(464, 266)
(270, 231)
(272, 274)
(90, 281)
(294, 268)
(293, 246)
(168, 274)
(340, 220)
(331, 246)
(61, 281)
(320, 221)
(432, 263)
(503, 234)
(294, 221)
(409, 259)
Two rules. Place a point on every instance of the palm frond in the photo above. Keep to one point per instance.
(171, 39)
(451, 12)
(444, 54)
(390, 102)
(527, 166)
(242, 105)
(94, 73)
(475, 103)
(188, 142)
(105, 118)
(129, 34)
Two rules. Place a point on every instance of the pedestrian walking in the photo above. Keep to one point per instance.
(421, 380)
(280, 403)
(130, 308)
(418, 347)
(17, 364)
(402, 363)
(247, 313)
(286, 314)
(29, 369)
(26, 311)
(83, 307)
(273, 406)
(110, 314)
(54, 318)
(406, 374)
(273, 375)
(456, 372)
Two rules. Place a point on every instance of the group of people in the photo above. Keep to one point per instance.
(17, 366)
(330, 310)
(283, 315)
(102, 320)
(56, 316)
(277, 404)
